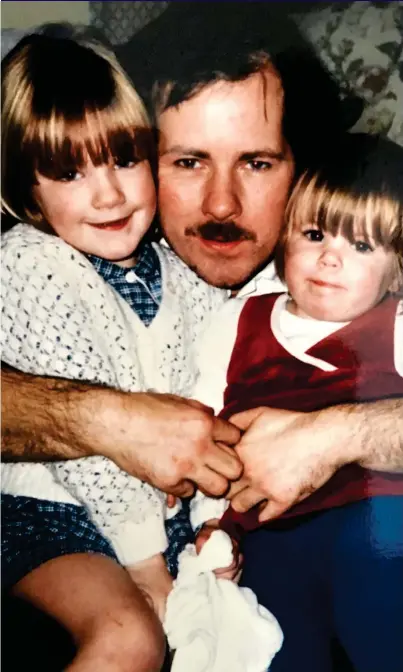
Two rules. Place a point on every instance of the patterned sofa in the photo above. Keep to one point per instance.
(362, 45)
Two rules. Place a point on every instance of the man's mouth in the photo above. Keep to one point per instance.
(114, 225)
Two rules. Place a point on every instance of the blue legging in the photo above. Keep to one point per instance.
(336, 575)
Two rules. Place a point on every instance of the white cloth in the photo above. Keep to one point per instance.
(213, 624)
(60, 318)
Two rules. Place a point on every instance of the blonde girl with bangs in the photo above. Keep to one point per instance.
(333, 336)
(87, 296)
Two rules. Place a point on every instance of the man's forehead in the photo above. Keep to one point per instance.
(266, 83)
(251, 108)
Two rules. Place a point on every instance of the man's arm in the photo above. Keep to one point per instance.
(165, 440)
(36, 413)
(288, 455)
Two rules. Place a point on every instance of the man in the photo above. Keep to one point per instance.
(234, 125)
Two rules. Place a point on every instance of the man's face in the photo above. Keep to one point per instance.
(224, 175)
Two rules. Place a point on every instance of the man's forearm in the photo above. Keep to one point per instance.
(162, 439)
(43, 418)
(373, 433)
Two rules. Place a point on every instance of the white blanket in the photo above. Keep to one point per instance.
(213, 624)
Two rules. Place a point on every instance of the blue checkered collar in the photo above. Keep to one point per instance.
(147, 265)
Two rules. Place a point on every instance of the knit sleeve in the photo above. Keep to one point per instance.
(46, 325)
(52, 327)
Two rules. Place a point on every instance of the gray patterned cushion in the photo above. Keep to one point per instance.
(362, 45)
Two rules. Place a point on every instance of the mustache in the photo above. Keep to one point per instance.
(222, 232)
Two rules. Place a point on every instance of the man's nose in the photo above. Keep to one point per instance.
(221, 197)
(107, 191)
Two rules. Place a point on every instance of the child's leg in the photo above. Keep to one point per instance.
(366, 572)
(98, 603)
(153, 578)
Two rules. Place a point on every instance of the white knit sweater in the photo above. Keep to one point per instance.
(60, 318)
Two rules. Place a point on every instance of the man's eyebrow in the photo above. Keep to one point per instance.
(263, 154)
(270, 154)
(185, 151)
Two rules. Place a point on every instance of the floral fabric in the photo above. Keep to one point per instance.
(362, 45)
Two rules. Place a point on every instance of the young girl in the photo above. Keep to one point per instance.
(87, 297)
(335, 337)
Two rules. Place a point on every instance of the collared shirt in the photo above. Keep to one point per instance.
(265, 282)
(140, 286)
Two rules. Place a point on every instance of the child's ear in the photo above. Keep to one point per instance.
(396, 285)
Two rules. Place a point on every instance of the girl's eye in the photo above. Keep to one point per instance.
(362, 246)
(314, 235)
(123, 163)
(70, 176)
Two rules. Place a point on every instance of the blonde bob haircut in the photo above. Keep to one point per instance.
(64, 102)
(358, 193)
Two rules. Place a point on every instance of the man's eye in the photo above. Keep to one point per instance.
(362, 246)
(189, 164)
(260, 166)
(314, 235)
(70, 176)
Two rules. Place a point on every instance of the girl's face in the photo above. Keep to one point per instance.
(331, 278)
(103, 210)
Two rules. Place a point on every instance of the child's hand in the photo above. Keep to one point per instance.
(233, 571)
(171, 501)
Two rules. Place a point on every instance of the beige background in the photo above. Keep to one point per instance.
(26, 14)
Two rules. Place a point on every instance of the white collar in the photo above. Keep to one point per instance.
(265, 282)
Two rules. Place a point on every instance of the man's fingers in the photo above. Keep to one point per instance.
(244, 419)
(272, 509)
(210, 482)
(183, 489)
(224, 461)
(225, 432)
(246, 499)
(237, 486)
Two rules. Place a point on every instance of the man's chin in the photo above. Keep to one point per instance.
(218, 275)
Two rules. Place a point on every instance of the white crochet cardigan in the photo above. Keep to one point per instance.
(60, 318)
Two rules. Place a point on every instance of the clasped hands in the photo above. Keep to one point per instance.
(286, 456)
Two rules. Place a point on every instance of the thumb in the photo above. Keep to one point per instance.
(272, 509)
(245, 419)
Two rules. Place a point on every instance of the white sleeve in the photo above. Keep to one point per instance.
(214, 354)
(399, 339)
(214, 351)
(50, 328)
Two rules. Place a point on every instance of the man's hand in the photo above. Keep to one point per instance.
(286, 456)
(170, 442)
(233, 571)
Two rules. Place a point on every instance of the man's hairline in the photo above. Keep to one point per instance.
(268, 67)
